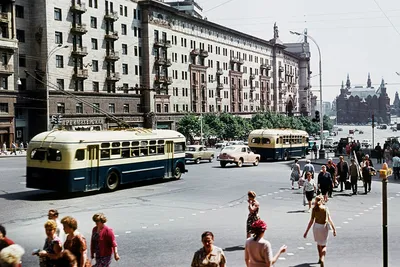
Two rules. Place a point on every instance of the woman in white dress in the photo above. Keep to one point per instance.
(295, 174)
(320, 218)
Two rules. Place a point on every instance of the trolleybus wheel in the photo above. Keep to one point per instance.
(177, 173)
(112, 181)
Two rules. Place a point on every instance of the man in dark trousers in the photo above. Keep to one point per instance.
(354, 171)
(343, 171)
(379, 153)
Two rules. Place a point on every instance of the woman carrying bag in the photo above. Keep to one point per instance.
(295, 175)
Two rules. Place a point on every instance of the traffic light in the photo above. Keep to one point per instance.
(317, 118)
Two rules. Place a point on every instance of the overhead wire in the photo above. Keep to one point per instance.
(387, 17)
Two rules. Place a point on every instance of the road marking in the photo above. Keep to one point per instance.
(181, 217)
(144, 227)
(276, 192)
(290, 254)
(301, 248)
(128, 232)
(361, 213)
(375, 206)
(308, 244)
(263, 195)
(194, 214)
(349, 219)
(282, 258)
(338, 227)
(269, 194)
(116, 235)
(397, 195)
(357, 215)
(202, 212)
(171, 220)
(281, 191)
(214, 209)
(366, 210)
(345, 222)
(371, 208)
(156, 224)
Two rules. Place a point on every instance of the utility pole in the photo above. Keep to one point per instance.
(384, 220)
(373, 130)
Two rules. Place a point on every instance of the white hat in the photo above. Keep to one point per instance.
(330, 159)
(308, 161)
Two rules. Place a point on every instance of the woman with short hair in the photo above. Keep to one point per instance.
(103, 242)
(320, 217)
(253, 207)
(11, 256)
(309, 189)
(295, 174)
(52, 245)
(208, 255)
(75, 242)
(258, 251)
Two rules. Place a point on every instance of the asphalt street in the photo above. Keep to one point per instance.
(160, 223)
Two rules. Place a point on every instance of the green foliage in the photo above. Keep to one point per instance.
(228, 126)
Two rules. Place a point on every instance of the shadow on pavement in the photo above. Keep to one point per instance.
(304, 265)
(343, 195)
(296, 211)
(41, 195)
(234, 248)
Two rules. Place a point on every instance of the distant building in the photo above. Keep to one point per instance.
(357, 104)
(395, 109)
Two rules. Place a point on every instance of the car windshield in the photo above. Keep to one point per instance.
(190, 149)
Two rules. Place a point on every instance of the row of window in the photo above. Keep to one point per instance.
(126, 108)
(292, 139)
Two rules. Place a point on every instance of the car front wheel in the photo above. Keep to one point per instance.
(255, 163)
(211, 158)
(239, 163)
(197, 161)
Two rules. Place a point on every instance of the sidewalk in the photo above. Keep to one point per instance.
(23, 154)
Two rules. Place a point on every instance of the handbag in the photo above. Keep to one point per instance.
(347, 185)
(304, 199)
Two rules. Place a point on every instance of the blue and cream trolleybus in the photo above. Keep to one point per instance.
(73, 161)
(279, 144)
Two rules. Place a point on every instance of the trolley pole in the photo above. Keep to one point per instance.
(384, 222)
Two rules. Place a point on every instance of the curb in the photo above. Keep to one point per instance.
(12, 156)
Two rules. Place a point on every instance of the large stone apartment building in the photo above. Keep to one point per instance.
(97, 63)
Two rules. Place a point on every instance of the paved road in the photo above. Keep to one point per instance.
(160, 224)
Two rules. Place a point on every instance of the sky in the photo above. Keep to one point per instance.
(356, 37)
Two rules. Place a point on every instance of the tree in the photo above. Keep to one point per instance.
(327, 123)
(189, 126)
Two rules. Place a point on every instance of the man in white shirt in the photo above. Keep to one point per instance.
(53, 215)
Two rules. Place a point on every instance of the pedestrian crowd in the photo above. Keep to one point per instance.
(15, 147)
(64, 245)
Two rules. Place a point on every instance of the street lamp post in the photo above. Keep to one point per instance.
(321, 119)
(58, 47)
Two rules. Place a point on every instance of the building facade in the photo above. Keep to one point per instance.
(99, 64)
(358, 104)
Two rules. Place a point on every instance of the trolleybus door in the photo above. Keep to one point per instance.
(169, 150)
(93, 168)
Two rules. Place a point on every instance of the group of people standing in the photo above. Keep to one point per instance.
(65, 246)
(258, 250)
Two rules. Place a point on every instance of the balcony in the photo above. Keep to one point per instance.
(8, 44)
(112, 56)
(79, 8)
(113, 77)
(5, 17)
(162, 43)
(220, 86)
(6, 69)
(281, 69)
(203, 53)
(80, 52)
(79, 29)
(252, 76)
(111, 16)
(218, 99)
(163, 80)
(163, 62)
(112, 36)
(220, 72)
(195, 52)
(81, 74)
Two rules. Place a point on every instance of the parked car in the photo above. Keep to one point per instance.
(197, 153)
(233, 143)
(360, 132)
(239, 155)
(221, 145)
(328, 142)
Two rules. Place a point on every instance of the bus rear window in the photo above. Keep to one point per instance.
(53, 154)
(255, 140)
(266, 141)
(38, 154)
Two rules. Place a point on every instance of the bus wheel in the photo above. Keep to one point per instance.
(177, 173)
(112, 181)
(239, 163)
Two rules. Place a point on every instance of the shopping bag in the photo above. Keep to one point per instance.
(347, 185)
(304, 200)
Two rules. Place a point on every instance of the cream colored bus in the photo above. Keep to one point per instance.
(73, 161)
